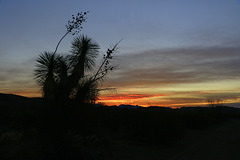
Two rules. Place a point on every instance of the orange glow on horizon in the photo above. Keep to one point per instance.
(145, 100)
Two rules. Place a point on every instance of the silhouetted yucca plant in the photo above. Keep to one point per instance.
(63, 78)
(46, 72)
(86, 92)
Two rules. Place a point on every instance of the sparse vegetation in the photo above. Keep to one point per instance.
(216, 101)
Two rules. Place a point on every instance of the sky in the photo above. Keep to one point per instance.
(173, 53)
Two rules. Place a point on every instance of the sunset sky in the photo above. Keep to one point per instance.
(172, 53)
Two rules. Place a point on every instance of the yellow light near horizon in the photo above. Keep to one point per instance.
(194, 94)
(206, 86)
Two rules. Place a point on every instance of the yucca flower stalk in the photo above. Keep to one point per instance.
(74, 26)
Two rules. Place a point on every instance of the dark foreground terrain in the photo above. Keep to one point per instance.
(33, 130)
(221, 142)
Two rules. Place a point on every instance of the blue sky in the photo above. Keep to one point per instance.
(164, 38)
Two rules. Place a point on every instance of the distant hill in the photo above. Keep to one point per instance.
(16, 100)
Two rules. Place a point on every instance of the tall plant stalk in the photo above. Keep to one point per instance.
(74, 26)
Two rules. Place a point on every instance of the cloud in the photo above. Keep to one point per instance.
(127, 96)
(17, 77)
(177, 66)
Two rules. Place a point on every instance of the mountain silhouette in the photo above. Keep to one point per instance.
(16, 100)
